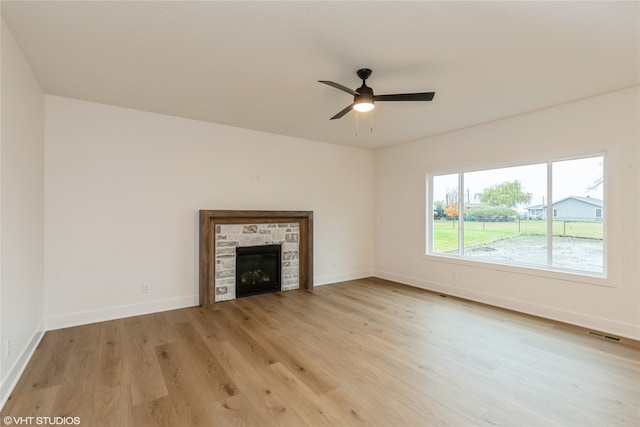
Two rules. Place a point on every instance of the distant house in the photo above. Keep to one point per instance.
(572, 208)
(537, 212)
(575, 208)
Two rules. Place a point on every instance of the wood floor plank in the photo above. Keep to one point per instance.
(226, 319)
(156, 327)
(113, 365)
(363, 352)
(173, 317)
(249, 307)
(146, 381)
(38, 402)
(155, 413)
(306, 370)
(203, 324)
(217, 384)
(79, 383)
(51, 357)
(112, 406)
(191, 405)
(512, 416)
(556, 398)
(259, 391)
(309, 405)
(351, 409)
(238, 411)
(86, 337)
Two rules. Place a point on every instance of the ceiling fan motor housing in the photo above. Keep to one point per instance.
(365, 93)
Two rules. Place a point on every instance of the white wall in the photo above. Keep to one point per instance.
(124, 188)
(609, 123)
(22, 213)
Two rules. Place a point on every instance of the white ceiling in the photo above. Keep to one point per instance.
(256, 64)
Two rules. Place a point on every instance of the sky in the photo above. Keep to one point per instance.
(570, 178)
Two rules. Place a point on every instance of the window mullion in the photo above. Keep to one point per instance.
(549, 214)
(461, 214)
(428, 234)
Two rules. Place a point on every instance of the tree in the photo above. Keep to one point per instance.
(438, 208)
(597, 183)
(451, 210)
(451, 207)
(507, 194)
(490, 213)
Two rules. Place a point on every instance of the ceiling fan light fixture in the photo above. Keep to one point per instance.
(364, 99)
(364, 106)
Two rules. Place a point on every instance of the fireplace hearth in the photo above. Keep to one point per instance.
(258, 269)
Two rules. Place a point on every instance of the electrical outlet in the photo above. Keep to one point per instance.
(8, 348)
(145, 288)
(454, 275)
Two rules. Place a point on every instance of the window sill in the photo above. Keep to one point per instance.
(598, 279)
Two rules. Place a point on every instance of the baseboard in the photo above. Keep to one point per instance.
(111, 313)
(119, 312)
(343, 277)
(93, 316)
(20, 365)
(565, 316)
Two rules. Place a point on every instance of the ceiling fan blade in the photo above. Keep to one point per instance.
(339, 86)
(424, 96)
(343, 112)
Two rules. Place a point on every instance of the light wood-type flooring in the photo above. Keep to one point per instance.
(364, 352)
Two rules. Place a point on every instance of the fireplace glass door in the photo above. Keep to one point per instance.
(258, 269)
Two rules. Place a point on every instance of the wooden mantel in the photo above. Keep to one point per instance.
(210, 218)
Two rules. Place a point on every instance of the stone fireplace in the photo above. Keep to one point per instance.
(227, 235)
(232, 240)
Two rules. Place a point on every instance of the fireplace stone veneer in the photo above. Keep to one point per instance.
(221, 232)
(230, 236)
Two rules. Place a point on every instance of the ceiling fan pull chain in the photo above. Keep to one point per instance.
(371, 121)
(357, 124)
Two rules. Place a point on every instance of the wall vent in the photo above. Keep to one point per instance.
(605, 337)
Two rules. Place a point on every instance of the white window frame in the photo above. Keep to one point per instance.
(596, 278)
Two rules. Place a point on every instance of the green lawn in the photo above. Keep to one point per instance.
(477, 232)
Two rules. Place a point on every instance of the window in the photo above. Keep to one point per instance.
(503, 215)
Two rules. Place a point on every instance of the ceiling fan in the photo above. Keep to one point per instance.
(364, 99)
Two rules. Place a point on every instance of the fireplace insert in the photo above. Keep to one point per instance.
(258, 269)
